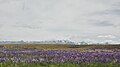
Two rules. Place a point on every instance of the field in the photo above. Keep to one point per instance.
(59, 55)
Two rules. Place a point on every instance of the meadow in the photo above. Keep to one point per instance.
(59, 55)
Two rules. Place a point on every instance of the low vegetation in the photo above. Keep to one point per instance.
(53, 55)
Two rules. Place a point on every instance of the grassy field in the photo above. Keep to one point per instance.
(60, 65)
(48, 55)
(82, 48)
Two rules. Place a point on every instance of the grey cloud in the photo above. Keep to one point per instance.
(104, 24)
(112, 7)
(62, 29)
(110, 12)
(115, 11)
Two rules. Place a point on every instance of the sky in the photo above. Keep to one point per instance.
(76, 20)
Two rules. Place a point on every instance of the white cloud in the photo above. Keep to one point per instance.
(54, 19)
(106, 36)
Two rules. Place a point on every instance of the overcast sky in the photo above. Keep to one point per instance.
(76, 20)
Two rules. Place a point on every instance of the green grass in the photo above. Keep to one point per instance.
(60, 65)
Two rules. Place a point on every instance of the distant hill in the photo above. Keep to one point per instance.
(38, 42)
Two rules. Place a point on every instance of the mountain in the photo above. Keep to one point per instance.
(38, 42)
